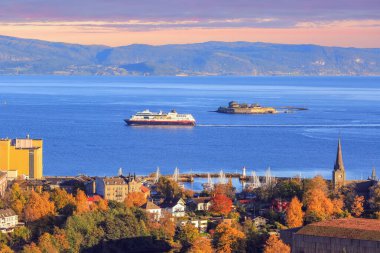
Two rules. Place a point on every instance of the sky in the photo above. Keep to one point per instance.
(347, 23)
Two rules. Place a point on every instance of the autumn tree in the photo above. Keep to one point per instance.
(135, 199)
(357, 207)
(102, 204)
(81, 203)
(201, 245)
(275, 245)
(187, 235)
(227, 239)
(319, 206)
(5, 248)
(47, 243)
(16, 199)
(31, 248)
(374, 200)
(221, 204)
(64, 202)
(294, 214)
(38, 206)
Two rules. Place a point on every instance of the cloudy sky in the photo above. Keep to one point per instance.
(122, 22)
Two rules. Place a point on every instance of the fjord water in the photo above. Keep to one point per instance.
(81, 122)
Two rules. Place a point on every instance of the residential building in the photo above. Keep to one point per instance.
(200, 224)
(175, 207)
(201, 203)
(152, 209)
(3, 183)
(339, 235)
(260, 222)
(145, 190)
(8, 220)
(116, 188)
(23, 155)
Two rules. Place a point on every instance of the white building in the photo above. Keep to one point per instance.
(176, 207)
(200, 224)
(201, 203)
(152, 209)
(8, 220)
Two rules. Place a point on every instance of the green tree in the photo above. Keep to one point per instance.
(187, 235)
(169, 188)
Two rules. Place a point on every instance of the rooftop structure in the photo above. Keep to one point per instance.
(339, 235)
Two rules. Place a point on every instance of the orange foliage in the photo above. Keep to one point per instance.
(31, 248)
(294, 214)
(221, 204)
(135, 199)
(102, 204)
(338, 206)
(46, 242)
(167, 225)
(275, 245)
(81, 202)
(38, 206)
(228, 239)
(319, 206)
(201, 245)
(357, 206)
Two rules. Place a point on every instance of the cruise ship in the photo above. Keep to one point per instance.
(160, 119)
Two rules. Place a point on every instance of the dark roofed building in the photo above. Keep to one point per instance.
(340, 235)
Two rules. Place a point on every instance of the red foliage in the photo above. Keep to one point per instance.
(221, 204)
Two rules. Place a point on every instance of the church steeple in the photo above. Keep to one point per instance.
(339, 173)
(339, 158)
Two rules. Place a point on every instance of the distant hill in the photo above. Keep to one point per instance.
(24, 56)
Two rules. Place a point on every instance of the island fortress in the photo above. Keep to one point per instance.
(236, 108)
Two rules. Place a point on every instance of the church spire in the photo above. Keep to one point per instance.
(373, 176)
(339, 158)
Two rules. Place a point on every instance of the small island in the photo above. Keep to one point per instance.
(236, 108)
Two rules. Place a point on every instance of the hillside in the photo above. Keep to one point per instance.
(24, 56)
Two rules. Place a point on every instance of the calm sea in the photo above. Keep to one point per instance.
(81, 122)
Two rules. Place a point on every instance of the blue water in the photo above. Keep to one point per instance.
(81, 122)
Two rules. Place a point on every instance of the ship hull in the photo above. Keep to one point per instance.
(159, 123)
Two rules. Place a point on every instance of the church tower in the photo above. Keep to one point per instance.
(339, 174)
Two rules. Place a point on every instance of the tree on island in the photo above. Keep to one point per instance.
(275, 245)
(294, 213)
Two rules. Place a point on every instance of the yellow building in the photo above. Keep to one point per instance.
(23, 155)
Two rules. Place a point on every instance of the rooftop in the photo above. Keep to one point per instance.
(349, 228)
(149, 206)
(7, 213)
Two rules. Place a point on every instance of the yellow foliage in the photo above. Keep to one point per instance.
(357, 206)
(319, 205)
(135, 199)
(294, 214)
(38, 206)
(201, 245)
(275, 245)
(81, 202)
(228, 239)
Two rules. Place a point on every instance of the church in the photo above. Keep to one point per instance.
(339, 176)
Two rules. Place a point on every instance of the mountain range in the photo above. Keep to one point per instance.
(35, 57)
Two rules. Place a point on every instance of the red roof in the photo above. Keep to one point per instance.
(144, 189)
(350, 228)
(94, 198)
